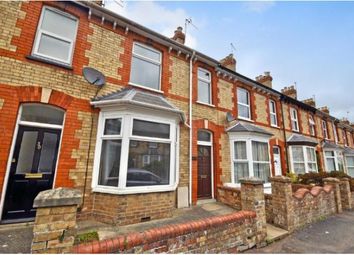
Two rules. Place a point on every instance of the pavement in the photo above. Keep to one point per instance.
(333, 235)
(15, 239)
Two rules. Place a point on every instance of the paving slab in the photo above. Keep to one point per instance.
(274, 233)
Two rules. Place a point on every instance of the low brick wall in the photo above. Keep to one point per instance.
(269, 208)
(219, 234)
(230, 196)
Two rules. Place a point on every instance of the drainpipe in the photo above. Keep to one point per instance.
(284, 133)
(190, 126)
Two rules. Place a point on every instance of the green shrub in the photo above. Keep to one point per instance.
(86, 237)
(293, 177)
(317, 178)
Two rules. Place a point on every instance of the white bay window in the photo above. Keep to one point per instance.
(135, 153)
(334, 160)
(303, 159)
(350, 164)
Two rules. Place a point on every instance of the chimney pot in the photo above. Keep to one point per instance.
(290, 92)
(265, 79)
(179, 36)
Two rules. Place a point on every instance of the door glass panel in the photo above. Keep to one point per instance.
(42, 113)
(48, 153)
(27, 149)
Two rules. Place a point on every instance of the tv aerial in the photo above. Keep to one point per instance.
(94, 76)
(187, 22)
(229, 117)
(233, 48)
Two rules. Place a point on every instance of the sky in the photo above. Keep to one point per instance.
(310, 44)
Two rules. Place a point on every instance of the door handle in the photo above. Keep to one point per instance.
(13, 160)
(39, 146)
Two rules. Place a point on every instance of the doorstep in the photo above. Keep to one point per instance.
(274, 233)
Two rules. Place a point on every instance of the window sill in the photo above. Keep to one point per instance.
(273, 126)
(145, 88)
(245, 119)
(50, 62)
(206, 104)
(137, 190)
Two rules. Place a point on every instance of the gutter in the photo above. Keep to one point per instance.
(284, 133)
(190, 125)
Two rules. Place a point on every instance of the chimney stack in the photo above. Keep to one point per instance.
(290, 91)
(310, 102)
(345, 121)
(229, 62)
(179, 36)
(265, 79)
(324, 109)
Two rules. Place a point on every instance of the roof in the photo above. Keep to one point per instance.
(246, 127)
(297, 139)
(331, 145)
(137, 97)
(348, 150)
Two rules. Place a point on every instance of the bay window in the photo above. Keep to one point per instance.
(303, 159)
(145, 67)
(294, 120)
(135, 154)
(204, 86)
(250, 159)
(56, 35)
(334, 160)
(350, 164)
(243, 104)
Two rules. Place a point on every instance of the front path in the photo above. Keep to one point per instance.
(333, 235)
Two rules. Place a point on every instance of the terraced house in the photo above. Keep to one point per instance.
(169, 125)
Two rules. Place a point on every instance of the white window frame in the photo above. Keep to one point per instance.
(248, 139)
(306, 159)
(210, 87)
(294, 119)
(41, 31)
(272, 102)
(312, 125)
(126, 136)
(346, 163)
(246, 105)
(345, 140)
(324, 129)
(336, 163)
(152, 61)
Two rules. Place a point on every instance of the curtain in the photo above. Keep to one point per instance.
(240, 150)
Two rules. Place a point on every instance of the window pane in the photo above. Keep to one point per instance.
(299, 168)
(260, 151)
(329, 153)
(145, 73)
(312, 167)
(204, 92)
(273, 119)
(151, 129)
(262, 171)
(112, 126)
(59, 24)
(240, 171)
(331, 165)
(294, 125)
(54, 47)
(272, 106)
(204, 136)
(297, 154)
(311, 156)
(350, 161)
(48, 153)
(42, 114)
(351, 171)
(142, 51)
(28, 147)
(240, 150)
(242, 96)
(203, 74)
(243, 111)
(148, 165)
(110, 163)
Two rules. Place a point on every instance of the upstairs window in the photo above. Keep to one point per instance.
(56, 34)
(324, 129)
(345, 140)
(294, 120)
(243, 104)
(312, 126)
(146, 67)
(335, 132)
(204, 86)
(273, 113)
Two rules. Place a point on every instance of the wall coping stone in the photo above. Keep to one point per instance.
(236, 189)
(279, 178)
(251, 180)
(344, 179)
(58, 197)
(331, 180)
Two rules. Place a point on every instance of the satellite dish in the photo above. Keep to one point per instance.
(94, 76)
(229, 117)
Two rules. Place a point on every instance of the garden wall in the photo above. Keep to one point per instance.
(230, 196)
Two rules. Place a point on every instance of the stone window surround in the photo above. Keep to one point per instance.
(126, 134)
(148, 60)
(306, 161)
(248, 138)
(39, 32)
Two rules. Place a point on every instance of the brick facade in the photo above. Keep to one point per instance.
(102, 45)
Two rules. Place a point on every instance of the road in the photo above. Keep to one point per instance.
(333, 235)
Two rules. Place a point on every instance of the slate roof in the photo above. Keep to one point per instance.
(137, 97)
(348, 150)
(246, 127)
(297, 139)
(331, 145)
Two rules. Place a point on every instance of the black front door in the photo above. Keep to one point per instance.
(32, 170)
